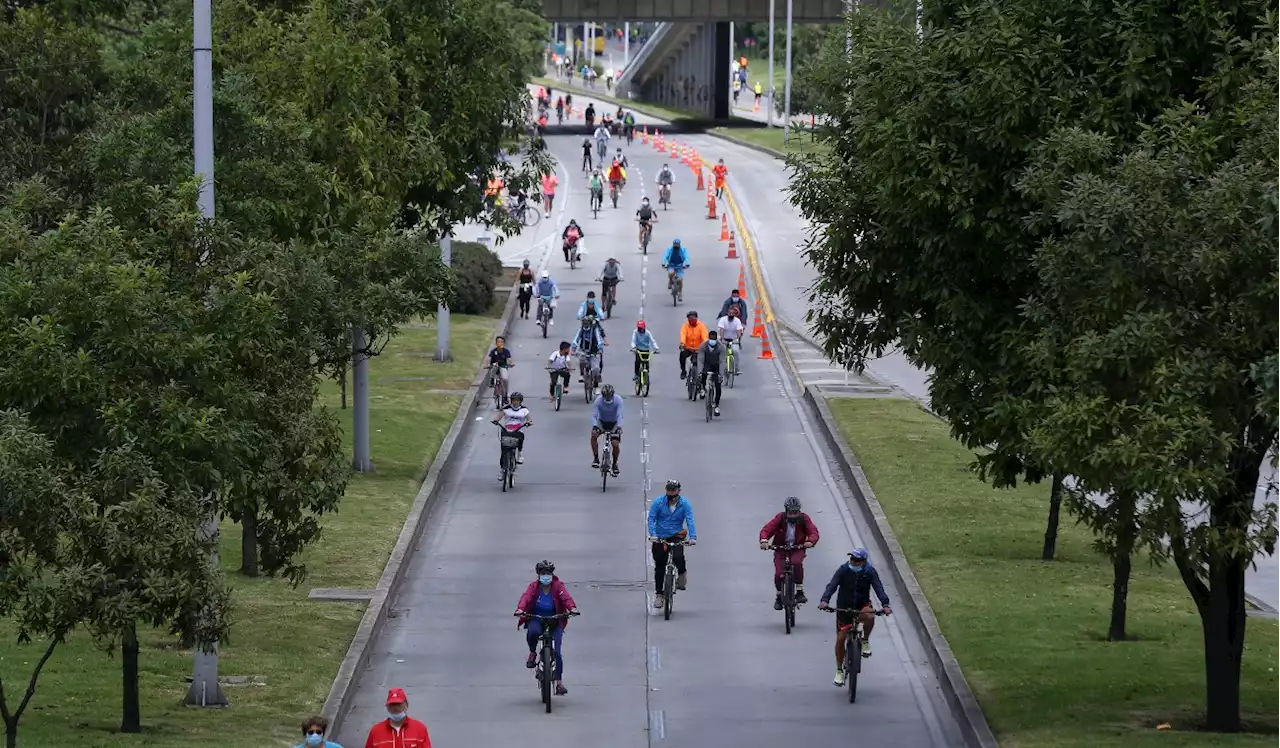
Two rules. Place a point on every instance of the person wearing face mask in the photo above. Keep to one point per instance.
(735, 300)
(855, 580)
(313, 730)
(398, 730)
(710, 364)
(546, 596)
(789, 527)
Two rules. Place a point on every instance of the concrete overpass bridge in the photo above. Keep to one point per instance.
(686, 61)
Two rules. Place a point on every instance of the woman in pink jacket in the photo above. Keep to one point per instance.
(546, 596)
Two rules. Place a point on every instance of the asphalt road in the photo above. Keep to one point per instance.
(721, 671)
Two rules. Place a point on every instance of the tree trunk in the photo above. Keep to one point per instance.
(1122, 565)
(1224, 626)
(342, 385)
(1055, 510)
(131, 719)
(249, 540)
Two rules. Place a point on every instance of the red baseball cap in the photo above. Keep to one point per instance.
(396, 696)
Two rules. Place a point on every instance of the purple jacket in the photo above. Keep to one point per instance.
(559, 594)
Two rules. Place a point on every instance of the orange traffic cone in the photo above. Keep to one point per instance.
(742, 283)
(733, 248)
(724, 227)
(766, 350)
(757, 325)
(644, 135)
(711, 205)
(701, 186)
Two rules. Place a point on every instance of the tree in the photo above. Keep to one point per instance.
(1159, 303)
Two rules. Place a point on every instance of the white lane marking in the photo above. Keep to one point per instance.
(657, 726)
(655, 659)
(567, 183)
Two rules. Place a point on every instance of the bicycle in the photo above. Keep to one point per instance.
(613, 193)
(557, 388)
(664, 196)
(646, 233)
(606, 457)
(609, 292)
(590, 379)
(853, 649)
(508, 442)
(707, 395)
(573, 255)
(631, 134)
(642, 383)
(499, 387)
(525, 215)
(669, 578)
(544, 313)
(691, 381)
(602, 150)
(729, 362)
(788, 590)
(545, 673)
(597, 201)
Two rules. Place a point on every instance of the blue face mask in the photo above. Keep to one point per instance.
(857, 569)
(711, 343)
(315, 740)
(545, 579)
(396, 716)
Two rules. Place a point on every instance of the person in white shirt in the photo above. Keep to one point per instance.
(731, 329)
(559, 365)
(513, 415)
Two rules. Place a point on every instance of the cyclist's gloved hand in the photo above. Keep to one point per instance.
(887, 611)
(823, 605)
(691, 542)
(652, 539)
(764, 545)
(808, 545)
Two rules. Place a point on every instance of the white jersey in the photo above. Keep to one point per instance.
(730, 328)
(556, 362)
(512, 418)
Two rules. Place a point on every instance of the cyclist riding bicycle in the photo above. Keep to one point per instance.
(735, 300)
(571, 234)
(642, 341)
(596, 186)
(731, 331)
(592, 308)
(500, 356)
(854, 580)
(711, 361)
(602, 141)
(546, 596)
(609, 277)
(675, 260)
(512, 416)
(589, 342)
(547, 292)
(587, 152)
(617, 175)
(621, 159)
(670, 520)
(789, 527)
(692, 335)
(558, 366)
(665, 177)
(606, 417)
(629, 122)
(646, 217)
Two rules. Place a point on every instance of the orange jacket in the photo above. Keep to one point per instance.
(720, 170)
(693, 337)
(412, 734)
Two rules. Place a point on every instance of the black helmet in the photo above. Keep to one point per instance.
(607, 392)
(514, 396)
(791, 505)
(545, 567)
(673, 485)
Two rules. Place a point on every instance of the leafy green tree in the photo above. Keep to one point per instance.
(1158, 302)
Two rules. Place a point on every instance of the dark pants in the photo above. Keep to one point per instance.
(797, 563)
(605, 285)
(716, 383)
(564, 385)
(660, 552)
(520, 438)
(525, 298)
(685, 356)
(557, 636)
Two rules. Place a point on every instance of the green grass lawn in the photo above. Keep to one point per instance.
(771, 138)
(278, 634)
(1029, 634)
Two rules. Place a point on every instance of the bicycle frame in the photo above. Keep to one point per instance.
(642, 385)
(669, 575)
(546, 657)
(499, 386)
(788, 591)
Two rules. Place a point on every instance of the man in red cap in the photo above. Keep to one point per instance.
(398, 730)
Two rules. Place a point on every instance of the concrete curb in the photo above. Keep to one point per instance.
(955, 689)
(353, 664)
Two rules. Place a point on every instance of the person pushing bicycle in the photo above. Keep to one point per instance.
(854, 580)
(789, 527)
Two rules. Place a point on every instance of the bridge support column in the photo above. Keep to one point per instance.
(721, 51)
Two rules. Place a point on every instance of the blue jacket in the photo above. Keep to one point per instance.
(643, 341)
(580, 340)
(597, 310)
(666, 258)
(665, 522)
(604, 411)
(546, 287)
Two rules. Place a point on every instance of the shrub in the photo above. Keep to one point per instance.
(475, 270)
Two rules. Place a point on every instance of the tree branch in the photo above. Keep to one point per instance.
(10, 719)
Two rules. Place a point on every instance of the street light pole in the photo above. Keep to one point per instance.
(786, 100)
(773, 90)
(204, 690)
(442, 311)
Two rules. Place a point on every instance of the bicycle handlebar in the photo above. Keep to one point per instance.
(786, 548)
(855, 610)
(674, 542)
(553, 617)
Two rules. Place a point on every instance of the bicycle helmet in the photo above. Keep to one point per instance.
(791, 505)
(516, 396)
(859, 554)
(545, 567)
(546, 273)
(673, 485)
(607, 392)
(640, 325)
(691, 313)
(675, 242)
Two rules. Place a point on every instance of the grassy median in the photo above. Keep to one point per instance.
(1030, 635)
(293, 644)
(771, 137)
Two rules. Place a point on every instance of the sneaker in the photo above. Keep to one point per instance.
(657, 600)
(716, 411)
(581, 380)
(561, 690)
(615, 472)
(551, 322)
(866, 647)
(839, 679)
(519, 458)
(800, 598)
(532, 661)
(682, 375)
(682, 581)
(596, 463)
(777, 601)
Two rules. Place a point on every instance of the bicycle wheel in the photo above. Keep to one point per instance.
(675, 295)
(644, 381)
(728, 371)
(692, 385)
(531, 217)
(789, 600)
(853, 658)
(506, 468)
(709, 399)
(548, 671)
(605, 466)
(668, 594)
(559, 392)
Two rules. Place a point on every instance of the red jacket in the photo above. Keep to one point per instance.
(559, 594)
(775, 530)
(412, 734)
